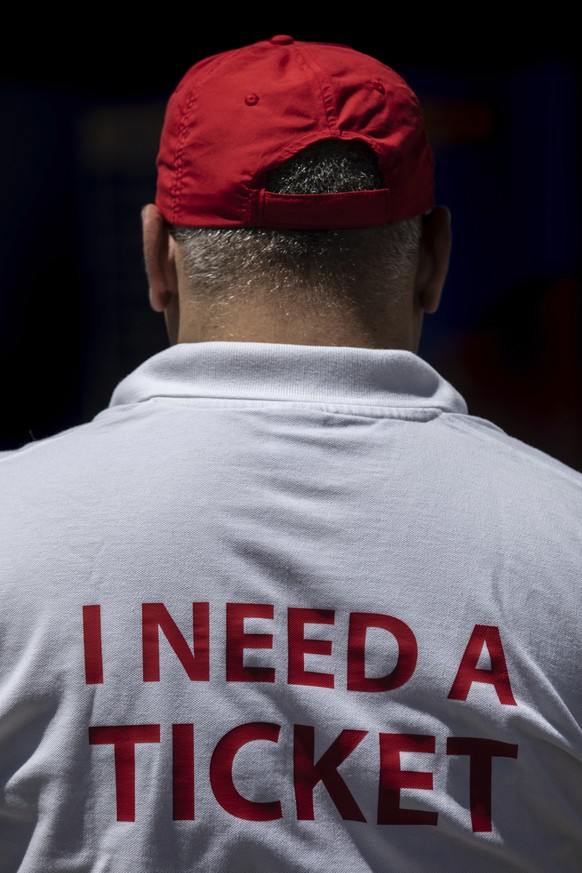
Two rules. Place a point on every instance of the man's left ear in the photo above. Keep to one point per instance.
(433, 264)
(159, 256)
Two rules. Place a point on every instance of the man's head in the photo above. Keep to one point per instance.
(294, 204)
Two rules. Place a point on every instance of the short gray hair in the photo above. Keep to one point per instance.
(312, 268)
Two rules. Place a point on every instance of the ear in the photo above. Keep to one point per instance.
(433, 264)
(159, 256)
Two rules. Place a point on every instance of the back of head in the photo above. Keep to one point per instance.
(295, 174)
(310, 269)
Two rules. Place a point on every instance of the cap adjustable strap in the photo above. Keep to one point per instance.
(313, 211)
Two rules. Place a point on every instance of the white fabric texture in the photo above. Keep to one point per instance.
(381, 671)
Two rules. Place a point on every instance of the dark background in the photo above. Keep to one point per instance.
(81, 113)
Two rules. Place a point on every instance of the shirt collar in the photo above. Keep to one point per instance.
(337, 375)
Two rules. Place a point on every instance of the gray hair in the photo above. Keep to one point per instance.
(313, 268)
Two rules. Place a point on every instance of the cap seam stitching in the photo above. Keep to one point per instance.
(324, 85)
(179, 162)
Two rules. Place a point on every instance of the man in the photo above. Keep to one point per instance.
(285, 605)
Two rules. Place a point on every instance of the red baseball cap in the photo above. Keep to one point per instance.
(238, 115)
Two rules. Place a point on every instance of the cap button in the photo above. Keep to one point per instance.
(282, 39)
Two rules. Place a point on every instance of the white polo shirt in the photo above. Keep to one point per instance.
(289, 608)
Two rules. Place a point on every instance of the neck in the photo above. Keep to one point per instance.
(331, 327)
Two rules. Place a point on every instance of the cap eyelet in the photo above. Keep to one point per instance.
(378, 86)
(252, 99)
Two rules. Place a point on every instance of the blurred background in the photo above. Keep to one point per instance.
(80, 125)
